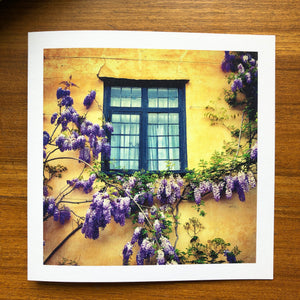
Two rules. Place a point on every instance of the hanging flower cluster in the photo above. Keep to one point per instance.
(50, 209)
(243, 79)
(239, 183)
(169, 191)
(86, 185)
(85, 136)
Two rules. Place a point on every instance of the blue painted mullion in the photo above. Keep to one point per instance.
(182, 129)
(143, 130)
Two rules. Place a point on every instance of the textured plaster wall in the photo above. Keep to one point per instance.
(231, 220)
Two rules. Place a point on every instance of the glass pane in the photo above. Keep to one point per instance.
(173, 102)
(114, 164)
(152, 102)
(134, 164)
(173, 93)
(136, 102)
(124, 164)
(115, 153)
(174, 141)
(126, 140)
(115, 101)
(162, 165)
(135, 119)
(134, 129)
(162, 92)
(127, 128)
(126, 92)
(162, 141)
(152, 154)
(163, 153)
(115, 91)
(174, 153)
(152, 141)
(115, 141)
(163, 102)
(152, 130)
(152, 165)
(152, 118)
(125, 102)
(162, 130)
(115, 118)
(163, 118)
(152, 93)
(125, 118)
(174, 118)
(174, 129)
(136, 92)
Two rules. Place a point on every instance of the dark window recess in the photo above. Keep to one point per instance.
(149, 121)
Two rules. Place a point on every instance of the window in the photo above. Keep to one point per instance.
(148, 117)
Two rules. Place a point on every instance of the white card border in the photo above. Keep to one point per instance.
(264, 45)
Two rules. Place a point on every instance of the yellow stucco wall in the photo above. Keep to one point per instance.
(230, 219)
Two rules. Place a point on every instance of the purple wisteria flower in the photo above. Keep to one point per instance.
(46, 138)
(127, 252)
(197, 195)
(228, 63)
(230, 256)
(253, 153)
(168, 249)
(146, 251)
(62, 215)
(248, 77)
(217, 189)
(160, 257)
(157, 226)
(88, 100)
(108, 126)
(168, 192)
(237, 84)
(53, 118)
(241, 69)
(121, 209)
(60, 93)
(97, 216)
(141, 218)
(86, 185)
(137, 236)
(85, 154)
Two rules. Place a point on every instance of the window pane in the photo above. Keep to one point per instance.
(115, 101)
(125, 141)
(152, 93)
(115, 140)
(174, 129)
(174, 153)
(152, 118)
(163, 102)
(173, 93)
(115, 92)
(174, 141)
(174, 118)
(152, 102)
(173, 102)
(163, 118)
(163, 153)
(162, 165)
(162, 92)
(163, 140)
(115, 118)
